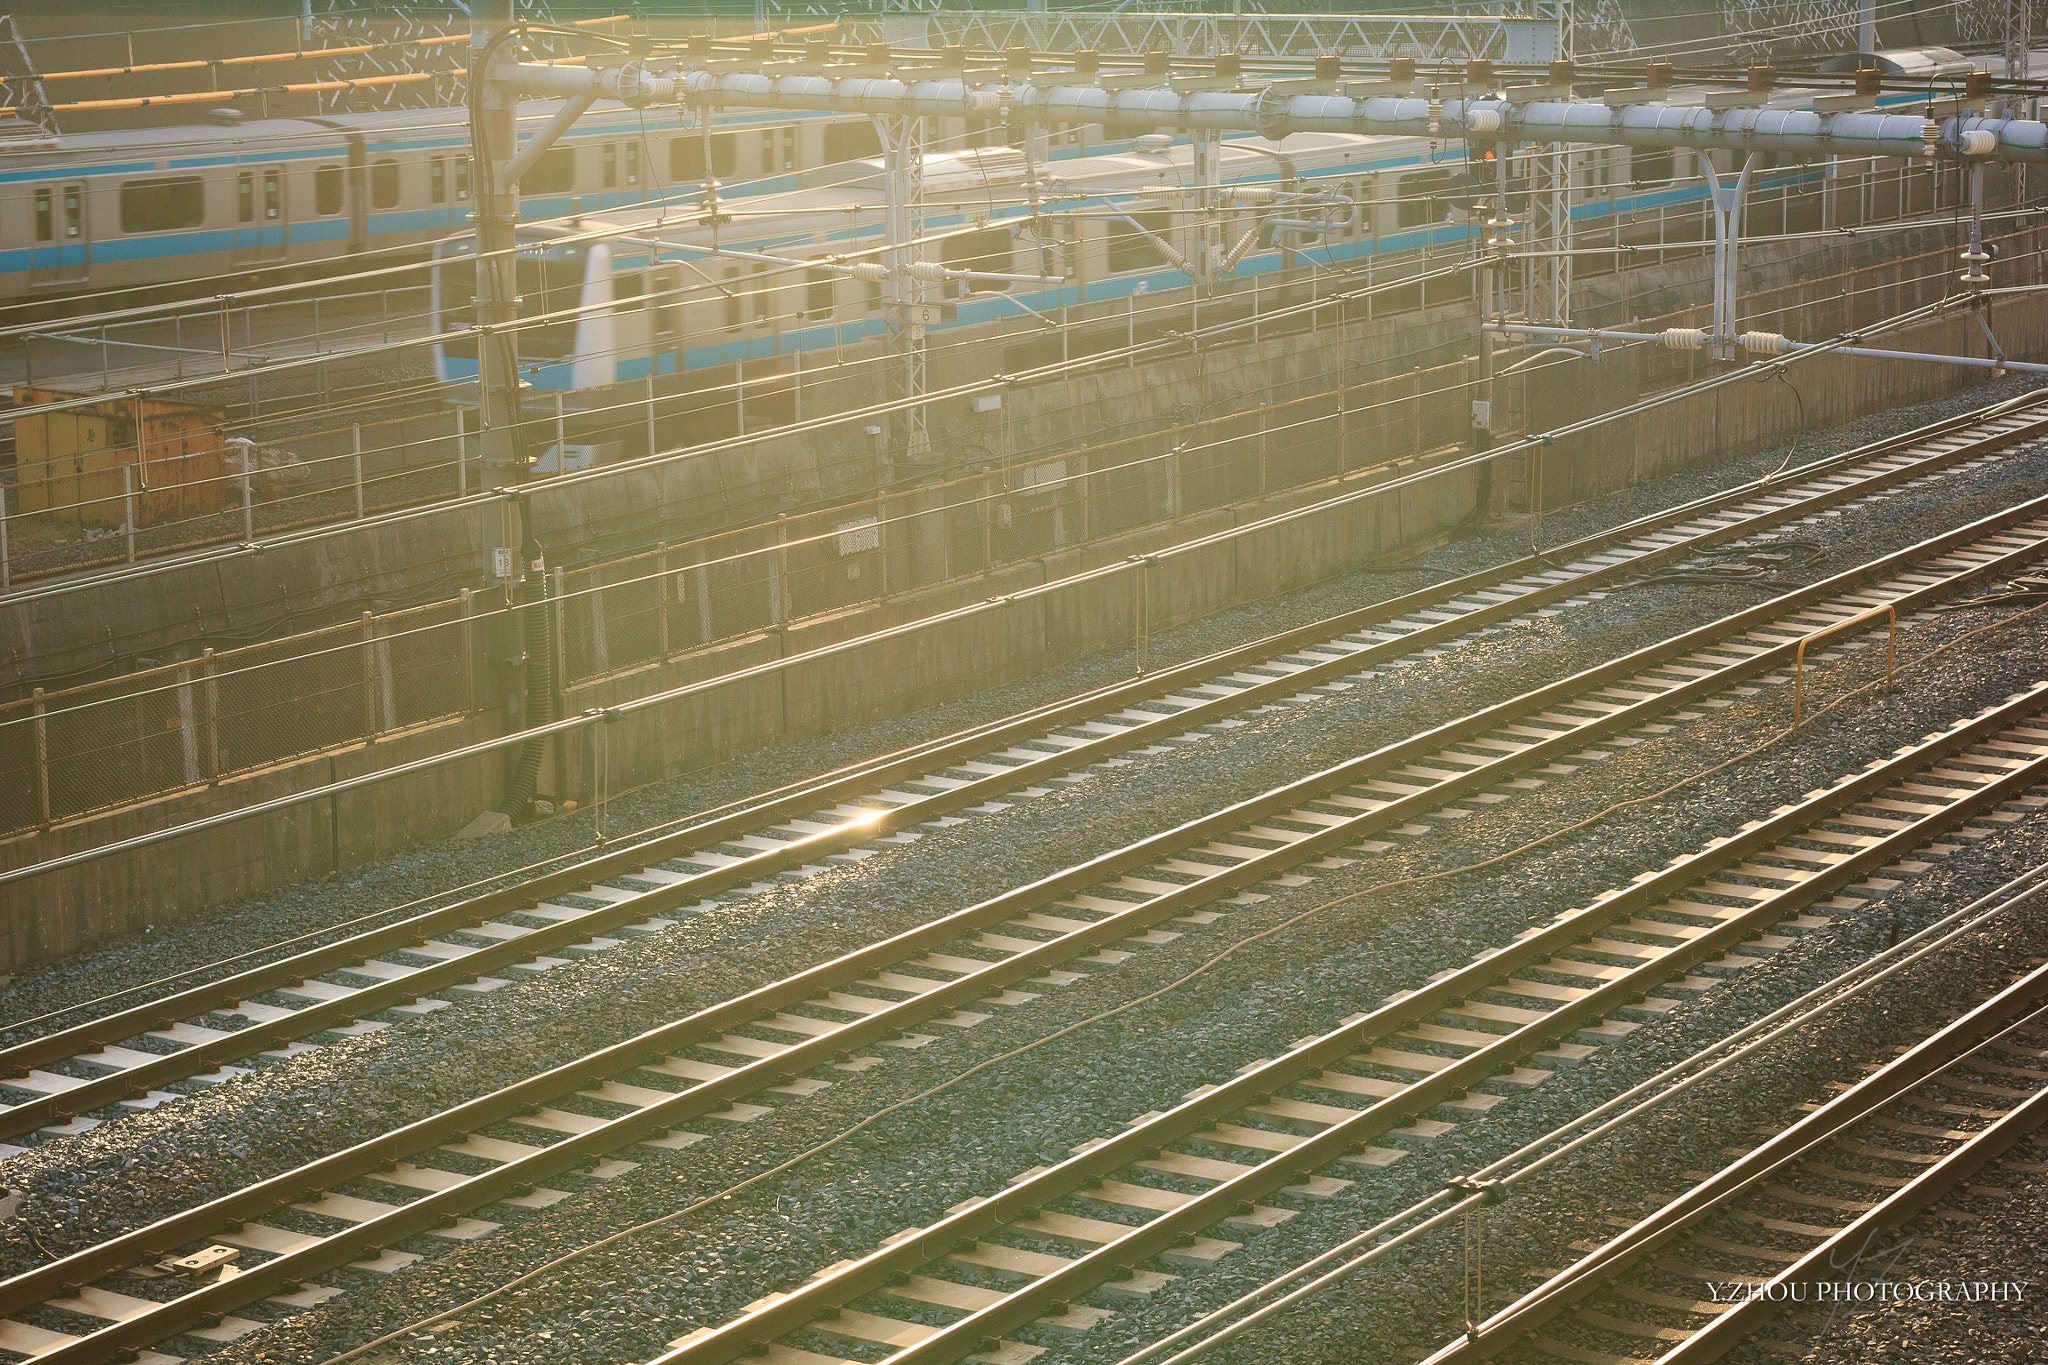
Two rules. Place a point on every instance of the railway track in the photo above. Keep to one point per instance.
(122, 1061)
(730, 1062)
(1781, 1228)
(1360, 1097)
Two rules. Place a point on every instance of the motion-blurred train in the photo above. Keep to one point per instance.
(83, 212)
(107, 210)
(692, 294)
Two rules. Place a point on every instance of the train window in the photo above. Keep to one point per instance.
(245, 198)
(437, 180)
(851, 141)
(546, 287)
(163, 205)
(768, 152)
(817, 295)
(554, 173)
(327, 190)
(686, 157)
(1650, 168)
(789, 157)
(74, 212)
(1130, 248)
(610, 161)
(44, 228)
(665, 312)
(632, 163)
(986, 249)
(273, 194)
(764, 294)
(731, 290)
(1423, 199)
(549, 286)
(1065, 254)
(384, 183)
(462, 179)
(629, 288)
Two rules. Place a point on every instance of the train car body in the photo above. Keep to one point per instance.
(689, 296)
(96, 211)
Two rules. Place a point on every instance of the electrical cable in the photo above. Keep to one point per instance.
(1198, 972)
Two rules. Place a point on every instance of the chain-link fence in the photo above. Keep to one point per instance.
(107, 744)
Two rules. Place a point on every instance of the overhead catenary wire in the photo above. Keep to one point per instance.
(1198, 545)
(1198, 972)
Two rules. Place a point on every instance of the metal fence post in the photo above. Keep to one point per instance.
(468, 650)
(188, 724)
(703, 598)
(369, 677)
(1415, 398)
(248, 507)
(209, 752)
(128, 507)
(387, 682)
(356, 445)
(1343, 432)
(600, 634)
(778, 573)
(661, 603)
(42, 728)
(559, 640)
(4, 574)
(461, 452)
(651, 446)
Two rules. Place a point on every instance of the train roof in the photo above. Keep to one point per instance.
(250, 135)
(983, 182)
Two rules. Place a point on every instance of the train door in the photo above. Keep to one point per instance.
(262, 222)
(63, 245)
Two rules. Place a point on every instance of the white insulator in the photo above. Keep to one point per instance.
(1930, 137)
(1977, 142)
(872, 271)
(1976, 279)
(1972, 253)
(925, 270)
(1482, 120)
(1684, 339)
(984, 101)
(1251, 194)
(1763, 343)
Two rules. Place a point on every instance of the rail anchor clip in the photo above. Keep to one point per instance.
(1491, 1190)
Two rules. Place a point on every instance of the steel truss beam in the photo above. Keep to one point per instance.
(1273, 113)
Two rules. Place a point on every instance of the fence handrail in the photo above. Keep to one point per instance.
(812, 656)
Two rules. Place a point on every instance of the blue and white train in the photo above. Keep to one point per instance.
(92, 211)
(687, 296)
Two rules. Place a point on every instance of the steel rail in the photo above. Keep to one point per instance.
(1818, 1265)
(1891, 654)
(655, 1119)
(1371, 1244)
(981, 1331)
(166, 1013)
(1925, 1060)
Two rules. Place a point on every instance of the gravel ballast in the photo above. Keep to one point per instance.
(623, 1304)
